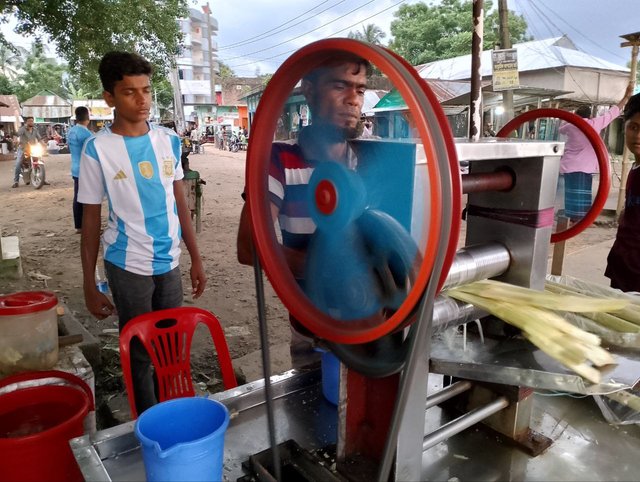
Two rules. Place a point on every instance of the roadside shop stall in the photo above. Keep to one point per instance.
(422, 339)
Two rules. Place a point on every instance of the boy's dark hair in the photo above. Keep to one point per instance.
(336, 59)
(584, 111)
(632, 107)
(82, 114)
(115, 65)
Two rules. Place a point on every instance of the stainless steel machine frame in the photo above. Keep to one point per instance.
(583, 442)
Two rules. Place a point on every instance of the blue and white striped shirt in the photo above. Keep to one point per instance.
(136, 174)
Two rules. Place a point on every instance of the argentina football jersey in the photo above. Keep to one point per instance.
(136, 175)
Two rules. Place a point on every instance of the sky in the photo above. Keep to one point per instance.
(258, 35)
(259, 25)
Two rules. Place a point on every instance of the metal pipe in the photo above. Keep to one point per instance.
(449, 392)
(475, 263)
(266, 366)
(448, 313)
(490, 181)
(463, 422)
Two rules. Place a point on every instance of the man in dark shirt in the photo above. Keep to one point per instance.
(623, 262)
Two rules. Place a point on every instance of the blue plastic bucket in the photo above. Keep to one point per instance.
(183, 439)
(330, 376)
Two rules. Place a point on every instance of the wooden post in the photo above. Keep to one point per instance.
(557, 261)
(633, 41)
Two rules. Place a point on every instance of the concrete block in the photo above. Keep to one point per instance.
(90, 346)
(10, 261)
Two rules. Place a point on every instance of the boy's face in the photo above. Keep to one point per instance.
(632, 135)
(131, 98)
(336, 98)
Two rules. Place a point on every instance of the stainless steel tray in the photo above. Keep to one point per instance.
(517, 362)
(301, 413)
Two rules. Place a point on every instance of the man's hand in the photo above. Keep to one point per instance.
(198, 279)
(98, 304)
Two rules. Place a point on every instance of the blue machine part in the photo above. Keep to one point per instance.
(360, 261)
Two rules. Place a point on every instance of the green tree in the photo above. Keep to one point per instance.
(423, 33)
(40, 73)
(12, 58)
(371, 33)
(83, 30)
(6, 86)
(224, 71)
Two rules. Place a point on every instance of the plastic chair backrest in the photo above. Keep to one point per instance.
(167, 335)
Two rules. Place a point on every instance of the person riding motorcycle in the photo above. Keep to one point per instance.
(27, 134)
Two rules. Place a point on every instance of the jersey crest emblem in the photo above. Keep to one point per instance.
(146, 169)
(167, 167)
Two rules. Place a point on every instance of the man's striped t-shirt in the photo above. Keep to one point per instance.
(289, 175)
(136, 174)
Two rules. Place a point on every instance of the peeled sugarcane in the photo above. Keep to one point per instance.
(529, 310)
(549, 301)
(625, 319)
(626, 398)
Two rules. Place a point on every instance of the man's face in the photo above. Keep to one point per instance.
(336, 98)
(30, 122)
(131, 98)
(632, 135)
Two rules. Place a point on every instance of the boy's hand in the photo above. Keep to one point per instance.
(98, 304)
(198, 279)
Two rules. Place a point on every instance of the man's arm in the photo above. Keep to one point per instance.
(198, 276)
(97, 303)
(244, 244)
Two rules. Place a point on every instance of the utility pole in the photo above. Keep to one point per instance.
(505, 43)
(475, 106)
(212, 75)
(633, 41)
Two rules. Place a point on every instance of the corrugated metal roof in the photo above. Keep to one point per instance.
(46, 98)
(535, 55)
(11, 112)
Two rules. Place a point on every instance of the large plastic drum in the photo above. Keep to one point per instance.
(36, 424)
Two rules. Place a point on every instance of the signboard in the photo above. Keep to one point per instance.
(195, 87)
(505, 69)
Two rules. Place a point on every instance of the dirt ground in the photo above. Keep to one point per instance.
(50, 255)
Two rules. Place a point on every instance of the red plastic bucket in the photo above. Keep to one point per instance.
(36, 424)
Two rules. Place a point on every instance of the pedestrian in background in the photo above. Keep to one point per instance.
(579, 161)
(136, 165)
(76, 138)
(623, 262)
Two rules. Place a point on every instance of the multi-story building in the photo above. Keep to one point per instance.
(196, 69)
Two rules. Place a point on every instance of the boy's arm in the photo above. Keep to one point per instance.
(97, 303)
(198, 276)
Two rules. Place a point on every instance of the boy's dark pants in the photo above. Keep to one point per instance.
(134, 295)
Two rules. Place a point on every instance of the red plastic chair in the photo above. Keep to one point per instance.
(167, 335)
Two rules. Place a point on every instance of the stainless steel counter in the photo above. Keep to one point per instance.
(585, 447)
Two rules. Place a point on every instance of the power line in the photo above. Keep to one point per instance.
(551, 22)
(580, 33)
(264, 35)
(301, 35)
(334, 33)
(561, 71)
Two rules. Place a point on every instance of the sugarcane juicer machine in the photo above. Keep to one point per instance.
(402, 197)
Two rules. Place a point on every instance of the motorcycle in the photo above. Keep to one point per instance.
(32, 168)
(235, 144)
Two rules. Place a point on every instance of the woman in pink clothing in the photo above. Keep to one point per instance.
(579, 162)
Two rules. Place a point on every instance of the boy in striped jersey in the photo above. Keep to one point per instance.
(335, 94)
(137, 167)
